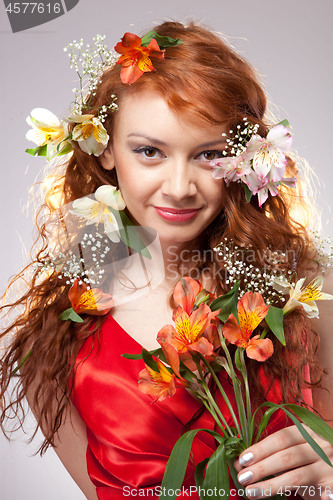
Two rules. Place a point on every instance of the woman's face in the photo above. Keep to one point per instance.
(162, 163)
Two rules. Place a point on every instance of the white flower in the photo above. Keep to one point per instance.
(268, 153)
(46, 130)
(98, 210)
(231, 168)
(303, 296)
(89, 133)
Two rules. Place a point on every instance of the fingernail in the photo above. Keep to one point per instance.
(245, 477)
(246, 459)
(254, 492)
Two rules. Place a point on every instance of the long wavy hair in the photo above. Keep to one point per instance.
(203, 77)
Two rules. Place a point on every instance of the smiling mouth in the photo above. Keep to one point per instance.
(176, 215)
(177, 211)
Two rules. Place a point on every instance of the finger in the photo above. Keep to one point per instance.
(282, 439)
(289, 458)
(293, 480)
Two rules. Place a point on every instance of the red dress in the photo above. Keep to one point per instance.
(129, 437)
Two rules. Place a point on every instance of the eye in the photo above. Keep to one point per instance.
(148, 152)
(209, 155)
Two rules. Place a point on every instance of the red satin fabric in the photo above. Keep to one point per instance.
(129, 437)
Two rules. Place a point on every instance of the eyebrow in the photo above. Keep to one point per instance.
(161, 143)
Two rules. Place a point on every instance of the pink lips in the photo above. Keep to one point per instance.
(172, 214)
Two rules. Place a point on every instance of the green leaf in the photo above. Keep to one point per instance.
(233, 475)
(163, 41)
(264, 421)
(132, 356)
(248, 192)
(315, 446)
(217, 474)
(149, 360)
(154, 352)
(129, 235)
(176, 466)
(274, 319)
(227, 303)
(285, 123)
(199, 475)
(40, 151)
(312, 420)
(66, 148)
(70, 315)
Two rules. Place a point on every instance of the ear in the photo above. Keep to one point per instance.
(107, 158)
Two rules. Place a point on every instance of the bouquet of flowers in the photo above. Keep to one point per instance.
(194, 352)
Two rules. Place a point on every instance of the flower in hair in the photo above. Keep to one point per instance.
(89, 133)
(86, 300)
(302, 296)
(47, 132)
(136, 53)
(258, 162)
(50, 134)
(135, 58)
(108, 200)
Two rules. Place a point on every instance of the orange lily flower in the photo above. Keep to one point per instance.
(135, 58)
(90, 301)
(159, 384)
(187, 336)
(251, 311)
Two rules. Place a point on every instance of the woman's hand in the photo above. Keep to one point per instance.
(297, 467)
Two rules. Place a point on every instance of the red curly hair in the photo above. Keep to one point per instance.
(204, 78)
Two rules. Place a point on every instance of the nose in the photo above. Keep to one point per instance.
(179, 181)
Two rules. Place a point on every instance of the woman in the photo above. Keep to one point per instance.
(178, 99)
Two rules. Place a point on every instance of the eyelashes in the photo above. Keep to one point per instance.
(149, 152)
(153, 152)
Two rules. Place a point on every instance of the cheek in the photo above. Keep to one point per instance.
(215, 194)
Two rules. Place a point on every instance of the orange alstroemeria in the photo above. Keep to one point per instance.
(185, 292)
(89, 301)
(187, 336)
(159, 384)
(136, 59)
(251, 311)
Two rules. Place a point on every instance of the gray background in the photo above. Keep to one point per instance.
(288, 41)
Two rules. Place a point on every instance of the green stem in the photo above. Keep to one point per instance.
(20, 364)
(213, 403)
(236, 386)
(247, 395)
(264, 333)
(225, 397)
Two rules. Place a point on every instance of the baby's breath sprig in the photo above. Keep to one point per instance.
(71, 266)
(237, 141)
(324, 248)
(237, 264)
(89, 62)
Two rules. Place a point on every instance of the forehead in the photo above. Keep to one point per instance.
(149, 113)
